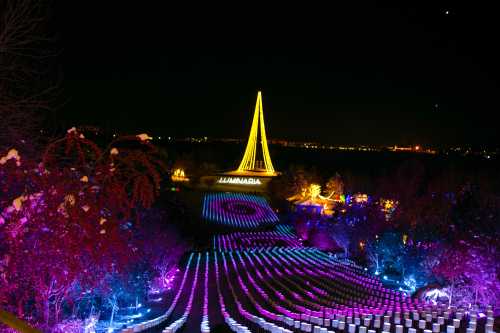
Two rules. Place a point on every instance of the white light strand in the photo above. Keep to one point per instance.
(239, 181)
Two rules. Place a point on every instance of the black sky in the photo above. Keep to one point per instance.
(361, 73)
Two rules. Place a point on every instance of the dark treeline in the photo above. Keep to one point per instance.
(361, 171)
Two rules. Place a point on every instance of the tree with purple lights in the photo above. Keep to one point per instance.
(471, 270)
(482, 273)
(67, 222)
(341, 233)
(159, 260)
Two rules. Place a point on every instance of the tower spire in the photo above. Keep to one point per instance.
(248, 161)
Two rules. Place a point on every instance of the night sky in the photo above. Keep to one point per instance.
(365, 74)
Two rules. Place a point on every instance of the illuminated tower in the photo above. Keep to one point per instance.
(249, 161)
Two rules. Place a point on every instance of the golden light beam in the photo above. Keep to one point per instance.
(248, 161)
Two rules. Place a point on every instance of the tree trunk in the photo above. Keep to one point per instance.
(46, 311)
(20, 307)
(73, 310)
(57, 309)
(113, 309)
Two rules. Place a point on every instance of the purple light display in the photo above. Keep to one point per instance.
(281, 237)
(292, 288)
(238, 210)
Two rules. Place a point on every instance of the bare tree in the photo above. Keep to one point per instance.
(26, 84)
(334, 186)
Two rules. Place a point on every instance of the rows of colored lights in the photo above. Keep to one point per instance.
(281, 237)
(238, 210)
(297, 289)
(205, 324)
(282, 288)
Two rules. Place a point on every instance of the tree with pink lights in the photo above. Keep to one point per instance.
(482, 273)
(471, 269)
(66, 222)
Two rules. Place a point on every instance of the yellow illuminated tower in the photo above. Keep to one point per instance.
(248, 163)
